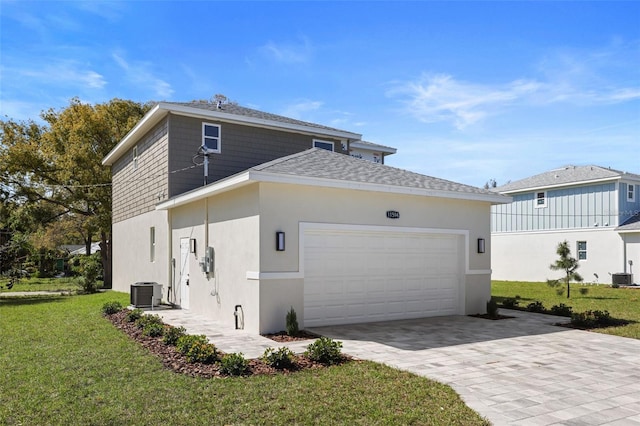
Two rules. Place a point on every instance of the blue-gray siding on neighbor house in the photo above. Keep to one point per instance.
(564, 208)
(628, 208)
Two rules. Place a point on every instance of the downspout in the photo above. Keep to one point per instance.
(206, 223)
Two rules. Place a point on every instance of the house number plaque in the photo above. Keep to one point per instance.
(392, 214)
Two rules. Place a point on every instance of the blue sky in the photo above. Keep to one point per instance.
(466, 91)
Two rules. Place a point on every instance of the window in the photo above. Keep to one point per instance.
(211, 137)
(152, 244)
(135, 157)
(323, 144)
(631, 196)
(582, 250)
(541, 199)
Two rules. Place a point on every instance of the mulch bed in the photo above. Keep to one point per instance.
(175, 361)
(283, 337)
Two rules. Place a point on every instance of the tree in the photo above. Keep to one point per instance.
(567, 264)
(59, 163)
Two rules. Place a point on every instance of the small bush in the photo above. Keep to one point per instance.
(172, 334)
(111, 308)
(134, 315)
(492, 308)
(583, 291)
(615, 285)
(325, 350)
(233, 364)
(153, 330)
(536, 306)
(89, 268)
(196, 348)
(281, 358)
(561, 310)
(510, 303)
(292, 322)
(147, 320)
(560, 291)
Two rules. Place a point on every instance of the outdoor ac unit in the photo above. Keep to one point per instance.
(622, 279)
(146, 294)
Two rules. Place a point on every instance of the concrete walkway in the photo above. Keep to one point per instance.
(519, 371)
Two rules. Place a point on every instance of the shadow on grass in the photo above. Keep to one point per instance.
(30, 300)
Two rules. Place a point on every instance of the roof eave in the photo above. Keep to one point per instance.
(377, 148)
(560, 185)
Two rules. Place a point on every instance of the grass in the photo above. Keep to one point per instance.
(622, 303)
(40, 284)
(63, 363)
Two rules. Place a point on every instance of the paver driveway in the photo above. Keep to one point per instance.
(519, 371)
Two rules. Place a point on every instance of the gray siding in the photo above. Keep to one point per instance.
(566, 208)
(242, 147)
(135, 192)
(628, 208)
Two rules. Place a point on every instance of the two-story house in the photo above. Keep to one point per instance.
(287, 216)
(595, 209)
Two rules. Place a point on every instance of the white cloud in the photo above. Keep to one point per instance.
(291, 53)
(62, 73)
(139, 73)
(299, 109)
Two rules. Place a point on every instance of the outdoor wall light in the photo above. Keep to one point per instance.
(192, 245)
(481, 247)
(280, 241)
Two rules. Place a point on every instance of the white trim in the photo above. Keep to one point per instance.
(224, 185)
(631, 199)
(560, 185)
(544, 199)
(372, 147)
(558, 231)
(479, 272)
(219, 138)
(293, 275)
(150, 119)
(134, 154)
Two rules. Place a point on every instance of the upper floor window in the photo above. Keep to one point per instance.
(631, 195)
(135, 157)
(541, 199)
(582, 250)
(323, 144)
(211, 137)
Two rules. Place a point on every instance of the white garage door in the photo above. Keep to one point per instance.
(364, 276)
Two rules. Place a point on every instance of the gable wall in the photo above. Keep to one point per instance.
(135, 192)
(566, 208)
(242, 147)
(628, 208)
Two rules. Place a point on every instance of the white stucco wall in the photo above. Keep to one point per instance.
(527, 256)
(131, 251)
(632, 241)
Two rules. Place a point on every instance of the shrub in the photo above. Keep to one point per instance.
(292, 322)
(153, 330)
(590, 319)
(583, 291)
(134, 315)
(172, 334)
(510, 303)
(536, 306)
(111, 308)
(561, 310)
(281, 358)
(492, 308)
(325, 350)
(196, 348)
(233, 364)
(615, 285)
(89, 268)
(147, 320)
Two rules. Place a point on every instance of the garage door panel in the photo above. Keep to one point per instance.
(353, 276)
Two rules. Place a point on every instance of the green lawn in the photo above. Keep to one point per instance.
(622, 303)
(61, 362)
(40, 284)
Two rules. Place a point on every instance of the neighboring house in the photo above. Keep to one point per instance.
(595, 209)
(284, 224)
(370, 151)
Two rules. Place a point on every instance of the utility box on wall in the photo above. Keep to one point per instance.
(146, 294)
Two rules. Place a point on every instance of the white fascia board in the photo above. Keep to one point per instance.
(258, 122)
(375, 187)
(130, 139)
(373, 147)
(224, 185)
(561, 185)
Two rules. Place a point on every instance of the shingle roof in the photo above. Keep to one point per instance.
(565, 175)
(231, 108)
(632, 224)
(323, 164)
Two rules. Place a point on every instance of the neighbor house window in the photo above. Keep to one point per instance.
(211, 137)
(541, 199)
(631, 189)
(323, 145)
(582, 250)
(152, 244)
(135, 157)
